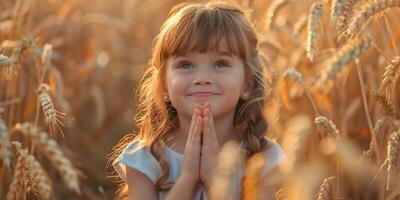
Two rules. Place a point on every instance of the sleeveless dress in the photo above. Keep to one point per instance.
(138, 157)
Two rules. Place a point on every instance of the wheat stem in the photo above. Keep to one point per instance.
(367, 115)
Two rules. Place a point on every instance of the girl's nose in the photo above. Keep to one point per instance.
(202, 78)
(202, 81)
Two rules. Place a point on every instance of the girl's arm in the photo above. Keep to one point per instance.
(140, 186)
(182, 189)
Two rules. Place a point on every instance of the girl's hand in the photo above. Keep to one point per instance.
(191, 159)
(210, 147)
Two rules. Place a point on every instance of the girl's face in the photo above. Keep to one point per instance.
(217, 77)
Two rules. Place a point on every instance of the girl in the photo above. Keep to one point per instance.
(205, 85)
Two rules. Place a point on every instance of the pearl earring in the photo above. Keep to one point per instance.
(245, 95)
(166, 98)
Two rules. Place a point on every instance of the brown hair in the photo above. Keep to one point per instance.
(185, 25)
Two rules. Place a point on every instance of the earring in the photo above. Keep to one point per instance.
(166, 99)
(245, 95)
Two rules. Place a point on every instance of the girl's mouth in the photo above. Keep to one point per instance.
(203, 94)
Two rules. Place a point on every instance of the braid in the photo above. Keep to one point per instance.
(253, 127)
(249, 117)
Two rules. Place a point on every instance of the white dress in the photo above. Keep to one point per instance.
(136, 156)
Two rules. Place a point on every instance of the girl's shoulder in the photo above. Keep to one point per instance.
(275, 156)
(137, 156)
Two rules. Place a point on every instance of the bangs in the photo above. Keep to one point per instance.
(202, 30)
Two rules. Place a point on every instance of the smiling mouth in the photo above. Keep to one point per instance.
(203, 94)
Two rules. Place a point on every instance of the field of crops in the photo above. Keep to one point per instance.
(69, 71)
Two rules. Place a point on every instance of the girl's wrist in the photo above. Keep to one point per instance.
(187, 179)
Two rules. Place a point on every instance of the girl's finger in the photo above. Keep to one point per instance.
(210, 124)
(197, 131)
(193, 124)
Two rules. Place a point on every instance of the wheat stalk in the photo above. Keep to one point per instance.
(52, 115)
(280, 195)
(28, 178)
(386, 104)
(390, 77)
(325, 190)
(313, 24)
(380, 129)
(344, 18)
(273, 12)
(393, 157)
(337, 9)
(367, 12)
(5, 152)
(16, 186)
(11, 63)
(327, 126)
(40, 177)
(53, 152)
(345, 54)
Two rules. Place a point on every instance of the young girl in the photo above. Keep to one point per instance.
(204, 86)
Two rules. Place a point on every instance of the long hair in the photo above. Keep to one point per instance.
(186, 25)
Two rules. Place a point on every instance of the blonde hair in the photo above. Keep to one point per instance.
(185, 25)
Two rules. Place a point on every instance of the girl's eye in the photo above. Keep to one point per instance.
(221, 64)
(185, 65)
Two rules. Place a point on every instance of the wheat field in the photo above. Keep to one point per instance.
(69, 71)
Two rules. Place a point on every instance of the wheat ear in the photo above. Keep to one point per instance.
(327, 126)
(367, 12)
(52, 115)
(273, 12)
(53, 152)
(40, 177)
(390, 77)
(345, 54)
(325, 190)
(5, 151)
(29, 183)
(16, 186)
(393, 157)
(386, 104)
(337, 9)
(313, 24)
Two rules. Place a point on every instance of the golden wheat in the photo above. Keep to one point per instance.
(273, 12)
(16, 186)
(28, 178)
(5, 151)
(344, 18)
(313, 25)
(52, 115)
(386, 104)
(393, 157)
(54, 153)
(326, 191)
(41, 178)
(390, 77)
(344, 55)
(337, 9)
(367, 12)
(326, 126)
